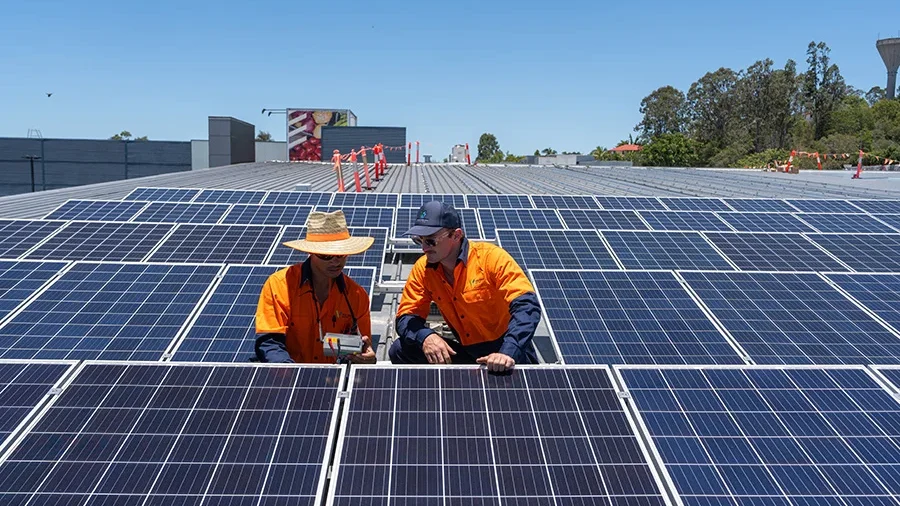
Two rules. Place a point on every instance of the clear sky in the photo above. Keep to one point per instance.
(567, 74)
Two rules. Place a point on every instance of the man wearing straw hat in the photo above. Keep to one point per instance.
(301, 303)
(482, 293)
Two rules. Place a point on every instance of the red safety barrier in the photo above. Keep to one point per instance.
(355, 171)
(417, 152)
(787, 168)
(362, 151)
(818, 161)
(408, 153)
(858, 166)
(468, 158)
(336, 158)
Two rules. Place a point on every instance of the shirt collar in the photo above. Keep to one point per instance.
(463, 254)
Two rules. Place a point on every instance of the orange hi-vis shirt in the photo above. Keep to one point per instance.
(287, 305)
(477, 305)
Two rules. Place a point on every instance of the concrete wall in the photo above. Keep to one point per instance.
(230, 141)
(74, 162)
(345, 139)
(265, 151)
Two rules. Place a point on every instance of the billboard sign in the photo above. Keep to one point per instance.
(304, 131)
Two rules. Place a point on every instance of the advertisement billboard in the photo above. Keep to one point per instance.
(304, 131)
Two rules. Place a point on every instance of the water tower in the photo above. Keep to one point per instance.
(890, 53)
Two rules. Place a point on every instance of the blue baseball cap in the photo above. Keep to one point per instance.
(434, 216)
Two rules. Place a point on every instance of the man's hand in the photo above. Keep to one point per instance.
(437, 351)
(497, 362)
(367, 356)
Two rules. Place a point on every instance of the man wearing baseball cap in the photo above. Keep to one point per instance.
(301, 303)
(482, 293)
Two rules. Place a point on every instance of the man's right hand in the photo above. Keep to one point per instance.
(436, 350)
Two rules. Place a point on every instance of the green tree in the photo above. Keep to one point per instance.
(875, 94)
(125, 135)
(511, 158)
(853, 116)
(488, 147)
(767, 102)
(665, 111)
(711, 105)
(264, 137)
(670, 150)
(548, 152)
(823, 87)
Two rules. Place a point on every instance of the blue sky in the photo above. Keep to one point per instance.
(568, 75)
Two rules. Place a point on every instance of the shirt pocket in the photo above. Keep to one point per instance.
(477, 295)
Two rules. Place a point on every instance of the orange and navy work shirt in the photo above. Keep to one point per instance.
(288, 305)
(486, 281)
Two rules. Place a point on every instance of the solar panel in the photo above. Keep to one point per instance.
(665, 250)
(225, 327)
(232, 244)
(823, 206)
(406, 218)
(770, 436)
(493, 201)
(602, 220)
(538, 436)
(564, 202)
(299, 198)
(180, 434)
(364, 200)
(417, 200)
(793, 318)
(880, 293)
(684, 220)
(96, 210)
(230, 197)
(113, 311)
(694, 204)
(765, 222)
(267, 215)
(364, 216)
(629, 203)
(23, 387)
(892, 220)
(176, 212)
(20, 279)
(163, 194)
(552, 249)
(762, 251)
(759, 205)
(492, 219)
(634, 317)
(862, 252)
(99, 241)
(878, 206)
(849, 223)
(19, 236)
(372, 257)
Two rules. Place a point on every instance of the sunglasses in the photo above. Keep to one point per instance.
(327, 258)
(430, 241)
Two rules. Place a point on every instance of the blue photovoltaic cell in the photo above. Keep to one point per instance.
(684, 220)
(364, 216)
(492, 201)
(176, 212)
(891, 219)
(231, 244)
(793, 318)
(179, 434)
(460, 436)
(364, 200)
(878, 292)
(759, 205)
(417, 200)
(19, 236)
(694, 204)
(753, 436)
(107, 311)
(564, 202)
(615, 317)
(862, 252)
(225, 330)
(492, 219)
(765, 222)
(406, 218)
(372, 257)
(630, 203)
(230, 197)
(878, 206)
(20, 279)
(823, 206)
(601, 220)
(96, 210)
(22, 386)
(761, 251)
(267, 215)
(299, 198)
(665, 250)
(848, 223)
(551, 249)
(163, 194)
(98, 241)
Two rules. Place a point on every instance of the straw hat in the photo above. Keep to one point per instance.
(327, 234)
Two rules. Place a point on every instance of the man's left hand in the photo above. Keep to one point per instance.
(497, 362)
(367, 356)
